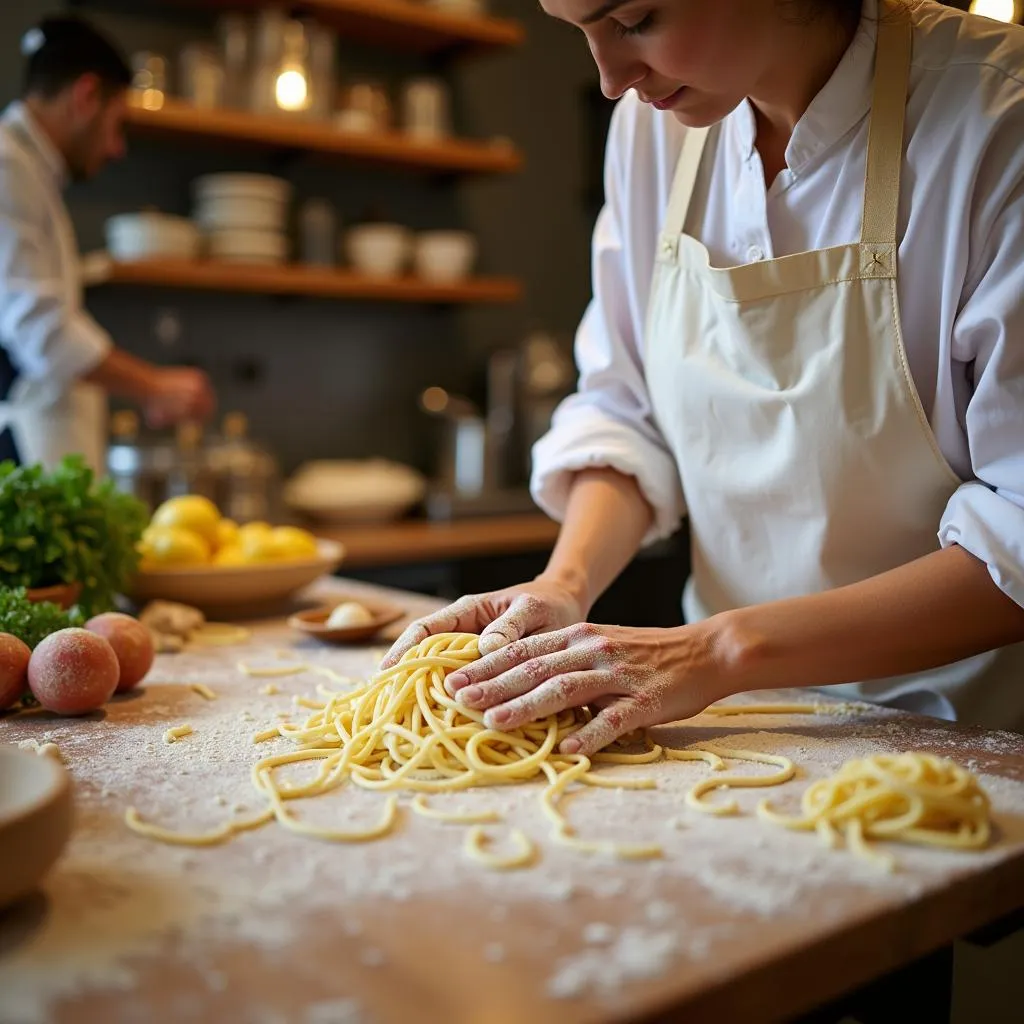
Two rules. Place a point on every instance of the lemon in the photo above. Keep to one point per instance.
(190, 512)
(227, 533)
(171, 547)
(294, 543)
(258, 547)
(230, 554)
(253, 529)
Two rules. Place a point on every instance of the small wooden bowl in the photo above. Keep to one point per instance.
(63, 594)
(35, 819)
(313, 622)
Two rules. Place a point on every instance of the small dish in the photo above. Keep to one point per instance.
(35, 819)
(313, 622)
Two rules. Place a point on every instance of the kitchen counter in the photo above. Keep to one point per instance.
(740, 921)
(411, 541)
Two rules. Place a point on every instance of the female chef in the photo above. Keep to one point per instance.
(807, 335)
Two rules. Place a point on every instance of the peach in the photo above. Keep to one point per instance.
(73, 672)
(14, 655)
(132, 643)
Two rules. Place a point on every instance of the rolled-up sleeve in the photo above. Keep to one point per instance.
(47, 335)
(985, 516)
(608, 422)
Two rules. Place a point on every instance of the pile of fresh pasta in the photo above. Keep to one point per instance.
(401, 733)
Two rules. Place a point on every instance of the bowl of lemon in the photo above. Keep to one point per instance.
(192, 554)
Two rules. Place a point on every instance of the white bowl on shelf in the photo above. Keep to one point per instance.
(354, 491)
(445, 256)
(243, 246)
(379, 250)
(250, 186)
(244, 212)
(141, 236)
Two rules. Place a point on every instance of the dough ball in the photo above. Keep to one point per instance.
(132, 643)
(73, 672)
(14, 656)
(349, 613)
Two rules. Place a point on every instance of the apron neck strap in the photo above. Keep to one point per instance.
(686, 177)
(888, 115)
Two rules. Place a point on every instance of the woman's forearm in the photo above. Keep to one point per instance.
(930, 612)
(606, 519)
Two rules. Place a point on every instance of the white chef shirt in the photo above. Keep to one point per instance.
(46, 331)
(961, 266)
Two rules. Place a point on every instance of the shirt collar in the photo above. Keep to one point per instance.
(843, 102)
(32, 132)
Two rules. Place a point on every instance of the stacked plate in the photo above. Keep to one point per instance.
(244, 217)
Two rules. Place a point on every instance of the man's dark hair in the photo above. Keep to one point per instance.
(62, 50)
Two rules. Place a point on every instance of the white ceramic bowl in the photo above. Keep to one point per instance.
(231, 590)
(379, 250)
(140, 236)
(250, 186)
(245, 212)
(444, 256)
(240, 246)
(372, 490)
(35, 819)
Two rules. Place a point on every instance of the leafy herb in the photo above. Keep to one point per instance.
(32, 622)
(64, 527)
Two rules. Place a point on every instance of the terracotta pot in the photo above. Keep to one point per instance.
(63, 594)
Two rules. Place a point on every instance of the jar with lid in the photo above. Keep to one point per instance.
(149, 80)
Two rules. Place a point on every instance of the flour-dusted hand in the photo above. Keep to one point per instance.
(499, 617)
(632, 677)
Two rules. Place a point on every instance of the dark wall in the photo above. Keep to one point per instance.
(330, 379)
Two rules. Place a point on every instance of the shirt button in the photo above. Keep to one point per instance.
(755, 254)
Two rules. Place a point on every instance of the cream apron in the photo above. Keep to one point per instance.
(48, 422)
(783, 390)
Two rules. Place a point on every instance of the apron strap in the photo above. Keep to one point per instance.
(888, 115)
(682, 186)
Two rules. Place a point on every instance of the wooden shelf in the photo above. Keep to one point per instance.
(402, 24)
(414, 541)
(392, 148)
(206, 275)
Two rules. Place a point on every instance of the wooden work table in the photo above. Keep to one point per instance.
(739, 922)
(411, 541)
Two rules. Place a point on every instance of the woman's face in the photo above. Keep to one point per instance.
(697, 58)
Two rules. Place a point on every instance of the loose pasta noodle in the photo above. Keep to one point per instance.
(203, 690)
(912, 798)
(271, 672)
(176, 732)
(421, 807)
(476, 843)
(134, 821)
(695, 797)
(219, 634)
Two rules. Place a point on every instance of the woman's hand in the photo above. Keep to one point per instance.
(499, 617)
(635, 677)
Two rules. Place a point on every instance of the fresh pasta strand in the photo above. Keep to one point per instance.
(176, 732)
(421, 807)
(219, 634)
(695, 797)
(911, 798)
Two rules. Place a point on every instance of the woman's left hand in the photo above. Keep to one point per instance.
(632, 677)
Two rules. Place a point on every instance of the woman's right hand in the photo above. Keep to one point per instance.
(500, 617)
